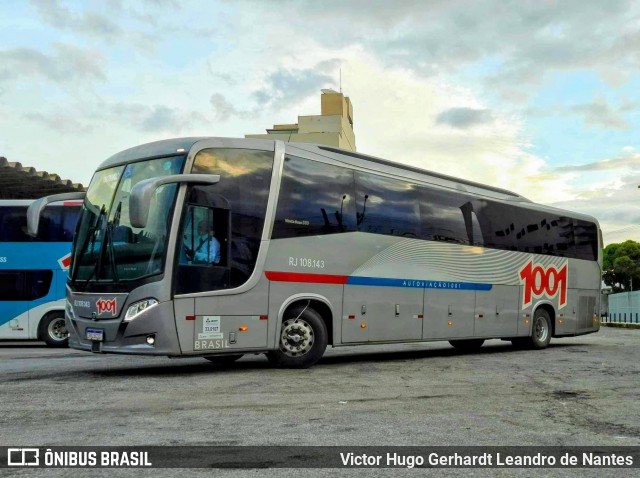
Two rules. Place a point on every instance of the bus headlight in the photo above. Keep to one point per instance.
(135, 309)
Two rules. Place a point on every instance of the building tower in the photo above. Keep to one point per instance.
(333, 127)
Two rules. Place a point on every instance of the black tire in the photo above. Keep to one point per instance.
(540, 331)
(302, 339)
(53, 330)
(224, 359)
(467, 344)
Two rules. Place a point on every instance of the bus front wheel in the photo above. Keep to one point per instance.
(302, 341)
(54, 331)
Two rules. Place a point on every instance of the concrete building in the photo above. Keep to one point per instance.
(25, 182)
(332, 127)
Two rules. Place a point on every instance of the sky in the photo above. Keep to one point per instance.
(539, 97)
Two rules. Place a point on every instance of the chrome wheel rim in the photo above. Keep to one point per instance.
(57, 330)
(542, 329)
(296, 338)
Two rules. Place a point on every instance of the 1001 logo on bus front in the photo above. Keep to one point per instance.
(539, 281)
(106, 305)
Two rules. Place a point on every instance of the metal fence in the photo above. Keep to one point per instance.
(623, 308)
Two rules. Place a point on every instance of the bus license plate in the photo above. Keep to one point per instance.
(95, 335)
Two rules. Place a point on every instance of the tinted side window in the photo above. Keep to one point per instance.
(387, 206)
(586, 240)
(315, 198)
(24, 285)
(58, 223)
(544, 233)
(447, 216)
(13, 224)
(245, 178)
(518, 229)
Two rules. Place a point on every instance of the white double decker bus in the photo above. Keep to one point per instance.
(219, 247)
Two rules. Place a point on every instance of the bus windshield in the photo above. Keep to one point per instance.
(107, 247)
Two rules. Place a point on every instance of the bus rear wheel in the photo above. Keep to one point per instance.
(467, 344)
(303, 339)
(540, 332)
(54, 331)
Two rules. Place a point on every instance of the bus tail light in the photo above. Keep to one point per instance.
(243, 328)
(264, 317)
(363, 325)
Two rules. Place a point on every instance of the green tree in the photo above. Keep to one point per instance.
(621, 266)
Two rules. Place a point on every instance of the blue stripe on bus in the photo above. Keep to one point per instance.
(419, 284)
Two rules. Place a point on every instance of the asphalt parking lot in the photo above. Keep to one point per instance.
(580, 391)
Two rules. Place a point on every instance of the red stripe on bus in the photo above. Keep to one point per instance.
(300, 277)
(72, 203)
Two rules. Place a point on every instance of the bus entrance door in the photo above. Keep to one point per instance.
(381, 314)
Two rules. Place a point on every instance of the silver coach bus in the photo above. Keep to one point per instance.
(219, 247)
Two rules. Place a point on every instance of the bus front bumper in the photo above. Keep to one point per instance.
(152, 332)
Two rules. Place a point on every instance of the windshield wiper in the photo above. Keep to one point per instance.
(108, 239)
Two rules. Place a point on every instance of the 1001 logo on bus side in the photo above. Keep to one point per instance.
(541, 281)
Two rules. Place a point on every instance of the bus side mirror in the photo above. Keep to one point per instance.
(36, 207)
(142, 192)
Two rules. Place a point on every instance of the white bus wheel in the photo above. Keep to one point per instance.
(54, 331)
(302, 340)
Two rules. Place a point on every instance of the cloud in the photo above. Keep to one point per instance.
(600, 114)
(614, 204)
(61, 123)
(224, 110)
(405, 123)
(293, 85)
(64, 64)
(525, 41)
(156, 119)
(464, 118)
(628, 161)
(89, 22)
(153, 118)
